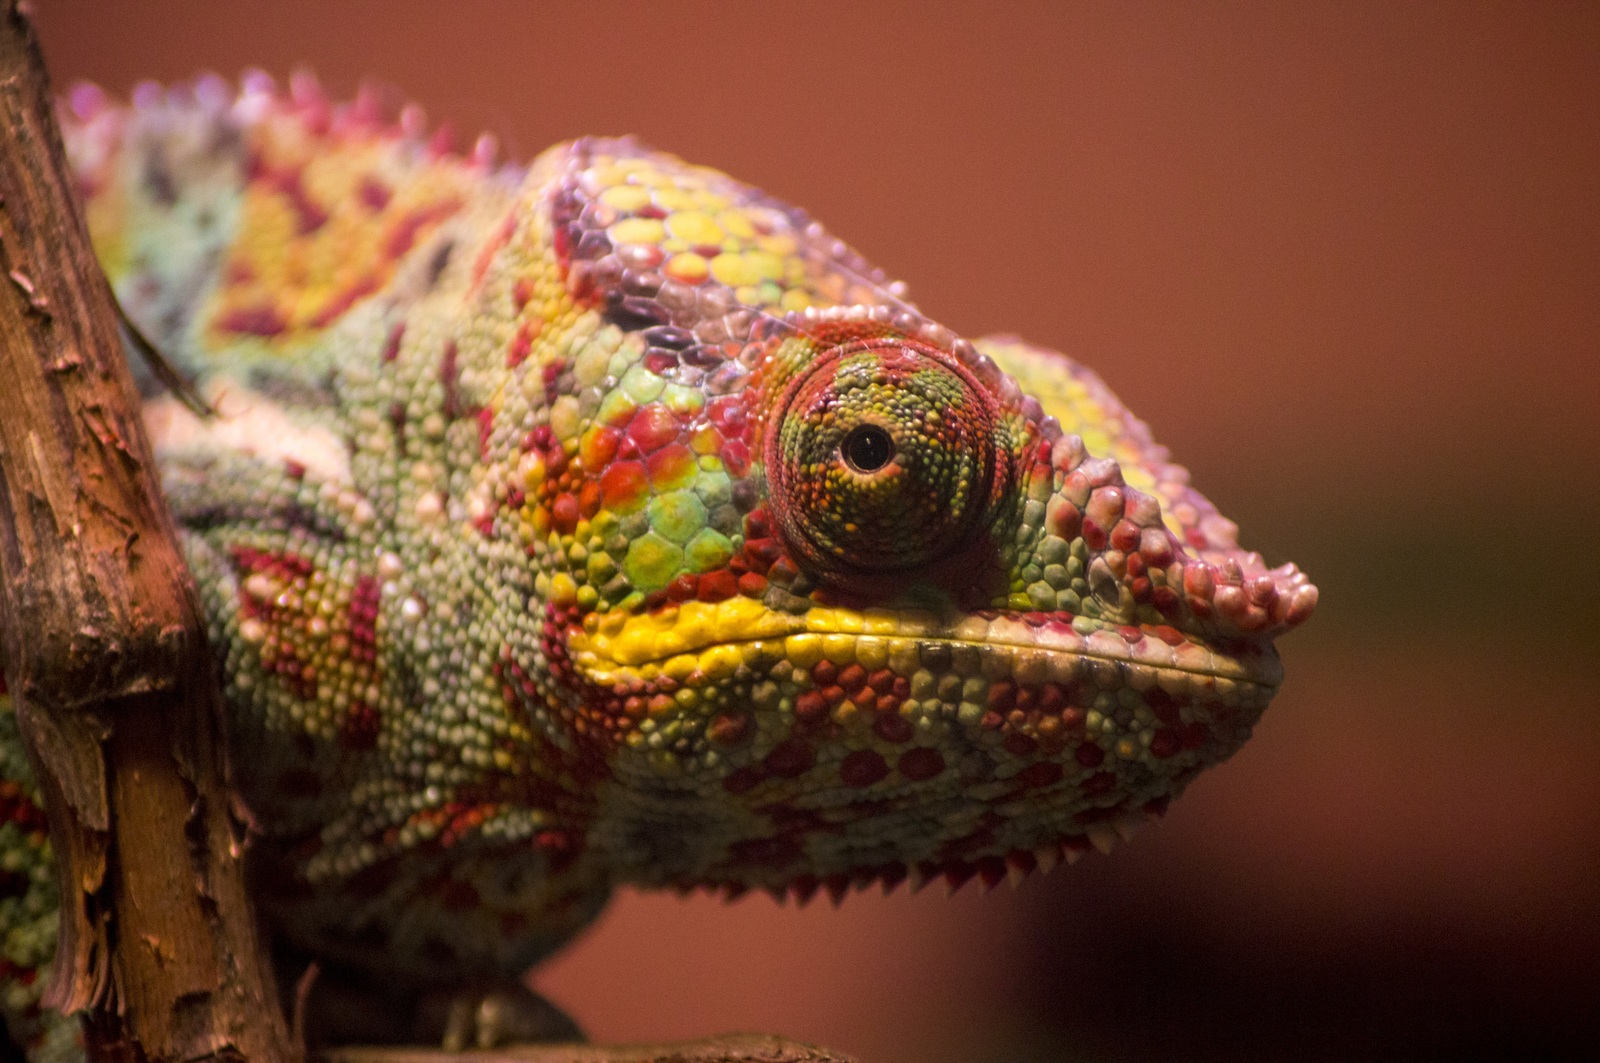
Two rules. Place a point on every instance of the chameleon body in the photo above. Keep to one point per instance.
(606, 520)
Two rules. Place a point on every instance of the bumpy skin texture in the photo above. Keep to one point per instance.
(607, 520)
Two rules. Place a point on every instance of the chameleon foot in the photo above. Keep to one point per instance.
(477, 1018)
(339, 1006)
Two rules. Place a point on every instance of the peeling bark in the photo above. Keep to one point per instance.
(104, 645)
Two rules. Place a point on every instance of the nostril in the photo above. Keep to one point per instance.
(1103, 584)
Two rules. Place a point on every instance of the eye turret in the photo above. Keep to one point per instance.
(883, 458)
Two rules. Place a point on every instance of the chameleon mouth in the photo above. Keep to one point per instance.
(696, 643)
(1028, 738)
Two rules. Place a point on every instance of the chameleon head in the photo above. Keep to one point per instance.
(951, 641)
(861, 600)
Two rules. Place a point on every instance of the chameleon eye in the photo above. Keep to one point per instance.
(867, 448)
(883, 458)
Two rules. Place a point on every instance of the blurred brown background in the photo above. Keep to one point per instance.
(1346, 260)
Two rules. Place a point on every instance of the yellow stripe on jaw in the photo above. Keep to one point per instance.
(699, 631)
(612, 640)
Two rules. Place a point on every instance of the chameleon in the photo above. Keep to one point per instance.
(605, 521)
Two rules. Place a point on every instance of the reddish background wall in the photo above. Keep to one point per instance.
(1346, 260)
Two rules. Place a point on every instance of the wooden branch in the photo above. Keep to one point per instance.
(104, 646)
(731, 1048)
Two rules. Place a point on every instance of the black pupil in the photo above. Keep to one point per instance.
(867, 448)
